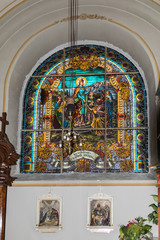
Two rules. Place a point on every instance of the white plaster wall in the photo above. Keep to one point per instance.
(129, 202)
(18, 25)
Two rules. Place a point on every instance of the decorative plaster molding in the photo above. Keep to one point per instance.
(71, 184)
(155, 2)
(7, 6)
(10, 10)
(82, 17)
(143, 41)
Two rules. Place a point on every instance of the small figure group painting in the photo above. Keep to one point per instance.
(100, 212)
(49, 213)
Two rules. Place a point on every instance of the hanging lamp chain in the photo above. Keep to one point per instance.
(73, 15)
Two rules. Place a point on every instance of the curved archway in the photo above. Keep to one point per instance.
(108, 130)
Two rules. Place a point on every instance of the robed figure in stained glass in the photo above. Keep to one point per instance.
(80, 93)
(109, 106)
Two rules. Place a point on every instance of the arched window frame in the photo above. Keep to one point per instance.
(135, 117)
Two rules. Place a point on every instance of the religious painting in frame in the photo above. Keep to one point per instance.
(49, 214)
(100, 213)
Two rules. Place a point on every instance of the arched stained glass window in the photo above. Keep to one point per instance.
(85, 114)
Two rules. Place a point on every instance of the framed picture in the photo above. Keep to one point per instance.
(49, 213)
(100, 213)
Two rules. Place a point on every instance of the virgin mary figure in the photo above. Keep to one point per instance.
(80, 96)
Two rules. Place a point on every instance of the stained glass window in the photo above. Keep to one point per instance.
(85, 114)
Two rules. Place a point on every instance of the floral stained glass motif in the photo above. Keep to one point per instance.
(85, 114)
